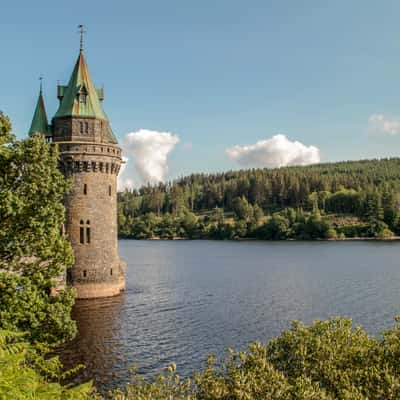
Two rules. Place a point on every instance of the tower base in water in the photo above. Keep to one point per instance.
(95, 290)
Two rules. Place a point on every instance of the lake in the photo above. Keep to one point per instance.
(186, 299)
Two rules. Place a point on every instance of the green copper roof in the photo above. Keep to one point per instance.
(39, 121)
(80, 83)
(80, 98)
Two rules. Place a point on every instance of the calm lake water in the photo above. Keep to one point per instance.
(186, 299)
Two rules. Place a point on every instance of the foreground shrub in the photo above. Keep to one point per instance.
(325, 361)
(26, 373)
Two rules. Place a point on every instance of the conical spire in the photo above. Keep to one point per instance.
(80, 97)
(39, 122)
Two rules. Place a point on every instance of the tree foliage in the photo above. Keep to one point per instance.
(26, 373)
(325, 361)
(33, 252)
(368, 190)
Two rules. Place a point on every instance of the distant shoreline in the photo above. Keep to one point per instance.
(350, 239)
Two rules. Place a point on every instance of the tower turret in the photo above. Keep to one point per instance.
(91, 158)
(39, 121)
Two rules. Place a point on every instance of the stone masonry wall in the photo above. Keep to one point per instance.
(79, 129)
(91, 217)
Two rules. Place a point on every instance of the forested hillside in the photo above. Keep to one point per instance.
(344, 199)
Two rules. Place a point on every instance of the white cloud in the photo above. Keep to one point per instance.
(380, 123)
(150, 150)
(124, 182)
(278, 151)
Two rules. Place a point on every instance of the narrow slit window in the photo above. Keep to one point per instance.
(109, 190)
(81, 127)
(87, 235)
(86, 127)
(84, 188)
(111, 271)
(84, 273)
(81, 235)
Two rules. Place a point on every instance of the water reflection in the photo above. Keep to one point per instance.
(98, 345)
(185, 299)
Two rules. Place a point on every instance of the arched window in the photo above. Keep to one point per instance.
(86, 127)
(87, 231)
(84, 188)
(81, 234)
(81, 127)
(84, 232)
(84, 273)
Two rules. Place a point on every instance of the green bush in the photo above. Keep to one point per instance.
(325, 361)
(27, 374)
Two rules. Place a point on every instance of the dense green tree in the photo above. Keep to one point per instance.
(277, 227)
(316, 228)
(33, 251)
(189, 223)
(258, 214)
(242, 208)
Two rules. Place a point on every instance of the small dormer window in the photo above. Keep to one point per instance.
(82, 95)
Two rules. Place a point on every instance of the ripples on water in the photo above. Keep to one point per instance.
(186, 299)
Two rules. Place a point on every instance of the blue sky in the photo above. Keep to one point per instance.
(217, 73)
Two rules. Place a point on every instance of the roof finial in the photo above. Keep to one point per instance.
(41, 83)
(81, 31)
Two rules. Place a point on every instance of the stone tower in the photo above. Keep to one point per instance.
(91, 158)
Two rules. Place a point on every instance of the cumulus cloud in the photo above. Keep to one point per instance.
(278, 151)
(124, 182)
(380, 123)
(150, 150)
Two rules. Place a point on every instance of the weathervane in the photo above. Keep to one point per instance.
(41, 83)
(81, 31)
